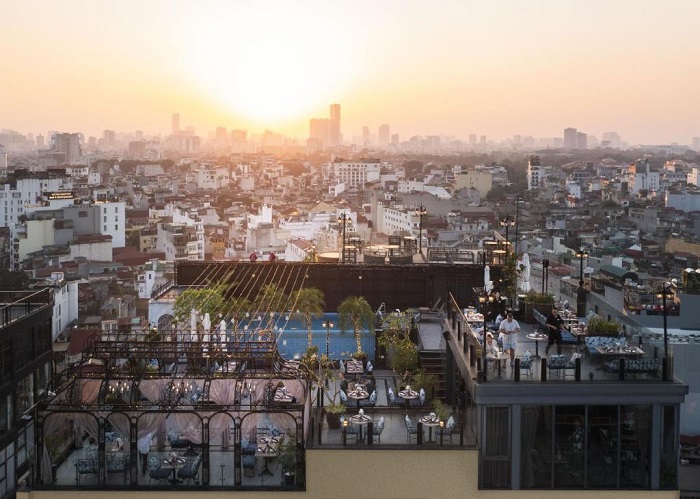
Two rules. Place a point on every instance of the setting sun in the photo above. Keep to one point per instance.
(267, 70)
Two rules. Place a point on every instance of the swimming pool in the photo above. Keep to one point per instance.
(292, 335)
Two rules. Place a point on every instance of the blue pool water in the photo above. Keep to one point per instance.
(292, 335)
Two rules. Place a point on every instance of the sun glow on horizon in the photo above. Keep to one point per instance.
(267, 70)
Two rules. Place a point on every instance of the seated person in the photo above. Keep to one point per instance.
(491, 347)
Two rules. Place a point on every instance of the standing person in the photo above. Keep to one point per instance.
(554, 324)
(144, 450)
(581, 299)
(253, 256)
(509, 330)
(272, 257)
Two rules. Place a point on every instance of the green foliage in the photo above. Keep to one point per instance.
(427, 382)
(270, 298)
(356, 312)
(309, 303)
(204, 300)
(441, 410)
(534, 297)
(396, 338)
(335, 408)
(598, 326)
(509, 275)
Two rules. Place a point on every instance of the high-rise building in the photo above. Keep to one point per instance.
(581, 140)
(335, 137)
(176, 124)
(482, 140)
(696, 144)
(365, 136)
(384, 135)
(570, 138)
(395, 139)
(69, 144)
(320, 132)
(40, 141)
(110, 137)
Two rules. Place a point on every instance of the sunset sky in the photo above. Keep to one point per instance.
(492, 67)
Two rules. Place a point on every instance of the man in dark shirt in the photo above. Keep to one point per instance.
(554, 323)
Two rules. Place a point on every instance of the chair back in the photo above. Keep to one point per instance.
(343, 397)
(450, 423)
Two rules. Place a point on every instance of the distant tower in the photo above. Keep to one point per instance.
(395, 139)
(570, 138)
(69, 144)
(365, 136)
(176, 124)
(581, 140)
(334, 139)
(384, 136)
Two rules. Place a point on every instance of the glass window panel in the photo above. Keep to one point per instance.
(569, 446)
(635, 436)
(536, 447)
(601, 445)
(496, 449)
(669, 450)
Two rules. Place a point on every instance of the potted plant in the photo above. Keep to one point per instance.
(597, 326)
(288, 460)
(333, 412)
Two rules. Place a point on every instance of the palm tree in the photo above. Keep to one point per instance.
(270, 298)
(309, 303)
(355, 312)
(237, 308)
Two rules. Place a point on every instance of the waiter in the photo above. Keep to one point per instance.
(554, 324)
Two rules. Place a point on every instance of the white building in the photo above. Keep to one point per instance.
(684, 201)
(65, 303)
(356, 173)
(96, 248)
(16, 196)
(643, 179)
(113, 222)
(29, 237)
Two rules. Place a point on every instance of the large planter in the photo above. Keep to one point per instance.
(333, 420)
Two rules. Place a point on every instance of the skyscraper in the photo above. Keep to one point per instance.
(176, 124)
(320, 132)
(68, 144)
(335, 126)
(570, 138)
(581, 140)
(384, 135)
(365, 136)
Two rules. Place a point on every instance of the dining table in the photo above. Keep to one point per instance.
(407, 394)
(360, 419)
(358, 393)
(174, 463)
(497, 358)
(537, 337)
(430, 420)
(268, 448)
(354, 367)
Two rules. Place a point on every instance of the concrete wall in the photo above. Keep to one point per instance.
(349, 474)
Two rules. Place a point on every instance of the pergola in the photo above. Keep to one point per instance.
(208, 393)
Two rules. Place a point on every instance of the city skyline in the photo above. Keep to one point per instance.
(454, 68)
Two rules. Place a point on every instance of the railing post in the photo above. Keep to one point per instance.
(516, 371)
(543, 369)
(577, 369)
(622, 369)
(370, 434)
(664, 368)
(419, 433)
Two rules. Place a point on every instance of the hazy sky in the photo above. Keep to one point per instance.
(490, 67)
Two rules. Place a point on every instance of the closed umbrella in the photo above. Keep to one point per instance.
(488, 283)
(525, 284)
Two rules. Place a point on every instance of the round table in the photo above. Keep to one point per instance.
(498, 358)
(408, 395)
(537, 337)
(358, 394)
(361, 420)
(430, 421)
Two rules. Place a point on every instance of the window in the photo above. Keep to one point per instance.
(495, 466)
(116, 227)
(82, 214)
